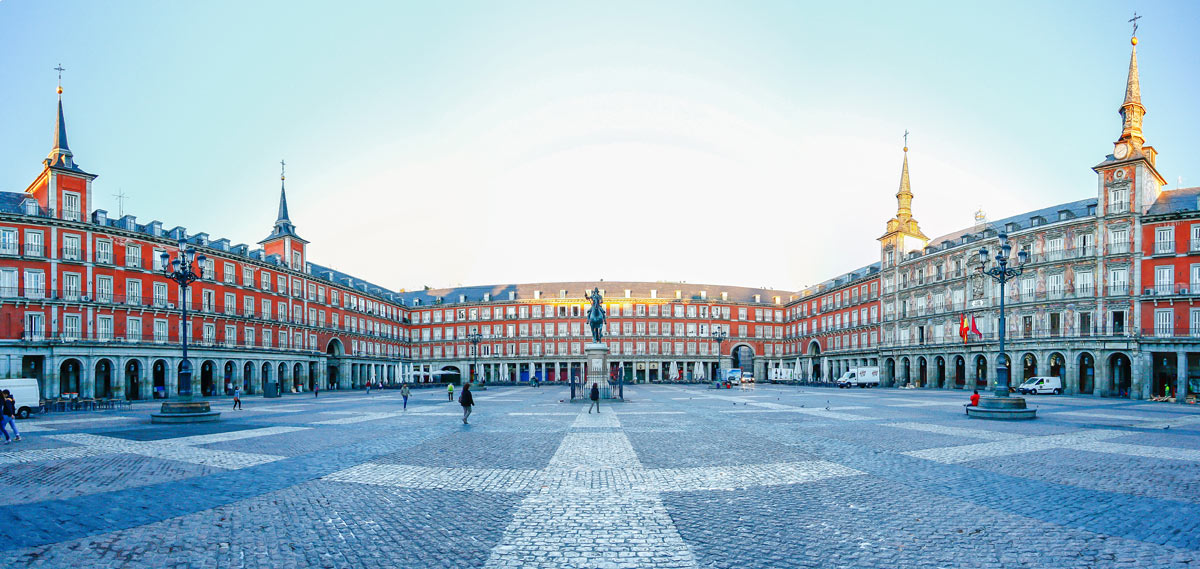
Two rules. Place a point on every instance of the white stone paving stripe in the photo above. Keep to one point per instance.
(79, 419)
(182, 449)
(964, 453)
(956, 431)
(38, 455)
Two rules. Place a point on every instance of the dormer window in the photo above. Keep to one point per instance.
(512, 295)
(487, 297)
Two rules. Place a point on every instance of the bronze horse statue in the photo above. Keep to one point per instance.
(595, 315)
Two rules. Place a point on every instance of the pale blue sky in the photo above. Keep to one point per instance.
(749, 143)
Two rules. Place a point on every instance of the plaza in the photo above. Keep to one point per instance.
(676, 476)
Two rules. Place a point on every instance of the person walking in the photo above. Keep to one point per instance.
(404, 393)
(237, 398)
(368, 388)
(6, 418)
(595, 397)
(450, 392)
(466, 401)
(316, 390)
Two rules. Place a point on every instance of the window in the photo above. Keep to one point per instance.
(34, 244)
(104, 251)
(1054, 285)
(35, 326)
(104, 289)
(1164, 279)
(1164, 240)
(133, 292)
(71, 286)
(1118, 281)
(8, 242)
(1194, 244)
(133, 329)
(35, 284)
(71, 206)
(71, 249)
(1162, 323)
(8, 283)
(1118, 200)
(104, 328)
(133, 256)
(1085, 284)
(1118, 241)
(228, 269)
(72, 326)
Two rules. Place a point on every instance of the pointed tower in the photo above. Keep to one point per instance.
(903, 232)
(63, 189)
(1129, 182)
(283, 240)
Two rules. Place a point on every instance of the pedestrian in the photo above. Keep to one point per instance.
(450, 392)
(368, 388)
(466, 401)
(595, 397)
(6, 419)
(316, 390)
(237, 398)
(404, 393)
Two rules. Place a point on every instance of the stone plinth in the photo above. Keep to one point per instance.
(1002, 408)
(185, 412)
(596, 356)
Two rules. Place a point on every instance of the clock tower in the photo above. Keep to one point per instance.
(903, 232)
(1128, 179)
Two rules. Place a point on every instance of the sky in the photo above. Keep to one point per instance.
(467, 143)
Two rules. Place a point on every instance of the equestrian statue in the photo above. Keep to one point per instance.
(595, 314)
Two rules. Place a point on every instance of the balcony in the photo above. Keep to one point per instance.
(1164, 248)
(1118, 248)
(34, 250)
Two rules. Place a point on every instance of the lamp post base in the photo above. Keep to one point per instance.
(1001, 408)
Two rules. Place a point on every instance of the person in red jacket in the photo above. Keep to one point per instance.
(974, 398)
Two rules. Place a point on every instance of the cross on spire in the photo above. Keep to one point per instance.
(282, 169)
(906, 140)
(60, 69)
(1133, 21)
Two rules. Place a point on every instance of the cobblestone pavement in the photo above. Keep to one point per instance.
(678, 476)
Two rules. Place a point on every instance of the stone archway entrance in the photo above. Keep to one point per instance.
(159, 376)
(981, 374)
(68, 376)
(743, 358)
(814, 352)
(1120, 368)
(1087, 374)
(960, 372)
(133, 380)
(206, 378)
(104, 379)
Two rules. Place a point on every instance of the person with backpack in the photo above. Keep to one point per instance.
(466, 401)
(6, 419)
(595, 397)
(404, 393)
(237, 397)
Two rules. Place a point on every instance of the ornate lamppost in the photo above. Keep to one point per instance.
(1001, 405)
(180, 270)
(185, 411)
(474, 338)
(719, 335)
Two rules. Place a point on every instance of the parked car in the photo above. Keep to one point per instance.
(25, 394)
(1037, 384)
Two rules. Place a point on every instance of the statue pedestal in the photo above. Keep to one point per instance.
(596, 356)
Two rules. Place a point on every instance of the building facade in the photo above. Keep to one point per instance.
(1108, 302)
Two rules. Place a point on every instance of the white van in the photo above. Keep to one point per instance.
(25, 394)
(860, 377)
(1035, 385)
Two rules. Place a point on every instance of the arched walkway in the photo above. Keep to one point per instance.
(1120, 368)
(266, 378)
(68, 376)
(960, 372)
(229, 377)
(297, 378)
(1028, 368)
(133, 380)
(248, 382)
(981, 372)
(1087, 374)
(104, 379)
(922, 372)
(1058, 366)
(905, 372)
(159, 376)
(940, 376)
(889, 368)
(206, 377)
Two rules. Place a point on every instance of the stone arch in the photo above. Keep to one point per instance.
(1056, 366)
(889, 370)
(133, 379)
(939, 373)
(69, 373)
(905, 372)
(104, 386)
(158, 377)
(335, 348)
(453, 375)
(208, 372)
(281, 377)
(249, 380)
(960, 372)
(1087, 373)
(742, 356)
(297, 377)
(1120, 368)
(1029, 368)
(922, 372)
(981, 372)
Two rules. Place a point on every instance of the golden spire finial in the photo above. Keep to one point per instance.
(60, 69)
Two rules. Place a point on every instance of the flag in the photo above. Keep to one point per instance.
(964, 329)
(975, 330)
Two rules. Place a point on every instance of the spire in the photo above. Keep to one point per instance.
(283, 212)
(904, 196)
(60, 155)
(1131, 109)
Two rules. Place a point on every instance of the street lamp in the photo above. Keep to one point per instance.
(180, 271)
(474, 338)
(719, 335)
(1002, 274)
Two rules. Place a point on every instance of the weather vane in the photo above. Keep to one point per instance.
(1133, 21)
(60, 69)
(282, 169)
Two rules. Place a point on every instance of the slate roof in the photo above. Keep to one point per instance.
(1076, 209)
(613, 290)
(1174, 201)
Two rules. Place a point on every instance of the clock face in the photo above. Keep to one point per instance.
(1120, 151)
